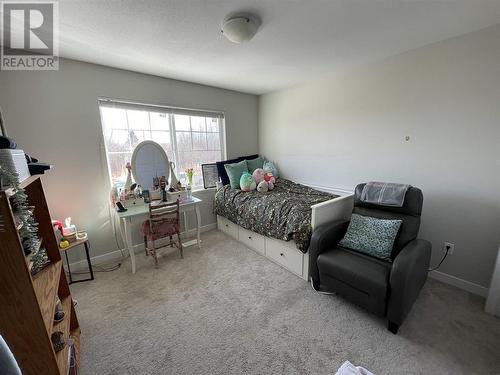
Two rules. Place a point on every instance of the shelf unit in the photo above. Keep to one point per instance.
(28, 302)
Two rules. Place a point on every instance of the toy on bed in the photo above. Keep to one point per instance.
(269, 178)
(270, 167)
(262, 187)
(247, 182)
(258, 175)
(267, 182)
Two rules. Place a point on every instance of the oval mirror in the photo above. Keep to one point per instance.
(149, 160)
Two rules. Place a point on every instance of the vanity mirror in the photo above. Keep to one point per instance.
(149, 160)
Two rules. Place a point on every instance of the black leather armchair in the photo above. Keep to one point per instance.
(386, 288)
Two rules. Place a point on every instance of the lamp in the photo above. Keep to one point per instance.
(240, 28)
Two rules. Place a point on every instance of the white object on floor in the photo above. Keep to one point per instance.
(138, 214)
(493, 301)
(348, 368)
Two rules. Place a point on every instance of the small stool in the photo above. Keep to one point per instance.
(86, 244)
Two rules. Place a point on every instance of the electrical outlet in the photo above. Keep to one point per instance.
(450, 246)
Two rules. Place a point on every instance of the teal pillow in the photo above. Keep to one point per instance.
(234, 172)
(255, 163)
(270, 167)
(371, 236)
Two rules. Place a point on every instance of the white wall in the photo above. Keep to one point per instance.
(351, 128)
(54, 116)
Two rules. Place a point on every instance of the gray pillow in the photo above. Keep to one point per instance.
(371, 236)
(253, 164)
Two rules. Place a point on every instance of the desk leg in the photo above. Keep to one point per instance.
(198, 225)
(186, 228)
(86, 244)
(127, 228)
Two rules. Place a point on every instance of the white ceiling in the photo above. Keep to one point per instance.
(298, 40)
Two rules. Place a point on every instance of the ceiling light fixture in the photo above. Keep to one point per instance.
(240, 28)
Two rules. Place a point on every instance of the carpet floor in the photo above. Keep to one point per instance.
(224, 309)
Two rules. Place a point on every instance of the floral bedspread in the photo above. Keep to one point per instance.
(283, 213)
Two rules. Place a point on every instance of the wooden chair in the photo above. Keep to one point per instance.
(163, 222)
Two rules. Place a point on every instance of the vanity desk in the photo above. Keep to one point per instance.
(137, 214)
(149, 164)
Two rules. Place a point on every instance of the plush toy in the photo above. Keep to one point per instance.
(258, 175)
(267, 183)
(247, 183)
(270, 167)
(262, 187)
(269, 178)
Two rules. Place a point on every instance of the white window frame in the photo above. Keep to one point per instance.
(170, 111)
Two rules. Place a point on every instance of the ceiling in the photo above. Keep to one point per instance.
(299, 40)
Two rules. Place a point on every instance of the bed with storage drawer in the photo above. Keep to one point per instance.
(278, 224)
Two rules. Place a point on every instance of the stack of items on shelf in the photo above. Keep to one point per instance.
(17, 161)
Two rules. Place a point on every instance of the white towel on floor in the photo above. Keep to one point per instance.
(348, 368)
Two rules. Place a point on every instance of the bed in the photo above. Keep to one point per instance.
(279, 224)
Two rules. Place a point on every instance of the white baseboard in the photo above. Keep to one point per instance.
(114, 257)
(460, 283)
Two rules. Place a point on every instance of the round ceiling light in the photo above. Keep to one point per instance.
(239, 29)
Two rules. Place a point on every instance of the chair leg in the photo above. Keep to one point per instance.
(180, 245)
(146, 245)
(155, 256)
(171, 243)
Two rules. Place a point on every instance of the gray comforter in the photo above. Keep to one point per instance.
(283, 213)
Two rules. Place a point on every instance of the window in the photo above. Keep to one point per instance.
(190, 137)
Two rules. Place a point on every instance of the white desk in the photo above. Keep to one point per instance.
(139, 213)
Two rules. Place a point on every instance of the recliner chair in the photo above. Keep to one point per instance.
(386, 288)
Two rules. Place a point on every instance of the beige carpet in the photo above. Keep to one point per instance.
(227, 310)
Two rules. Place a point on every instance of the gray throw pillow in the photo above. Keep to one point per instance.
(371, 236)
(253, 164)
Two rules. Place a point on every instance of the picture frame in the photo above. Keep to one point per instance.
(210, 175)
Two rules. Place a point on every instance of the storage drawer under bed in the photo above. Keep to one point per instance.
(227, 226)
(252, 240)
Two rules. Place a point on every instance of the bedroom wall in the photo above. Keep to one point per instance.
(54, 116)
(351, 128)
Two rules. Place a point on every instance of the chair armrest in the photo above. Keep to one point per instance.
(408, 275)
(323, 238)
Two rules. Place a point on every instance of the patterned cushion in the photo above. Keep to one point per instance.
(234, 172)
(160, 230)
(371, 236)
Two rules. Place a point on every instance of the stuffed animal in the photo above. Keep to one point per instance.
(270, 167)
(267, 183)
(269, 178)
(258, 175)
(262, 187)
(247, 183)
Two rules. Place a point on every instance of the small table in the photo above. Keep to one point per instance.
(85, 243)
(139, 213)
